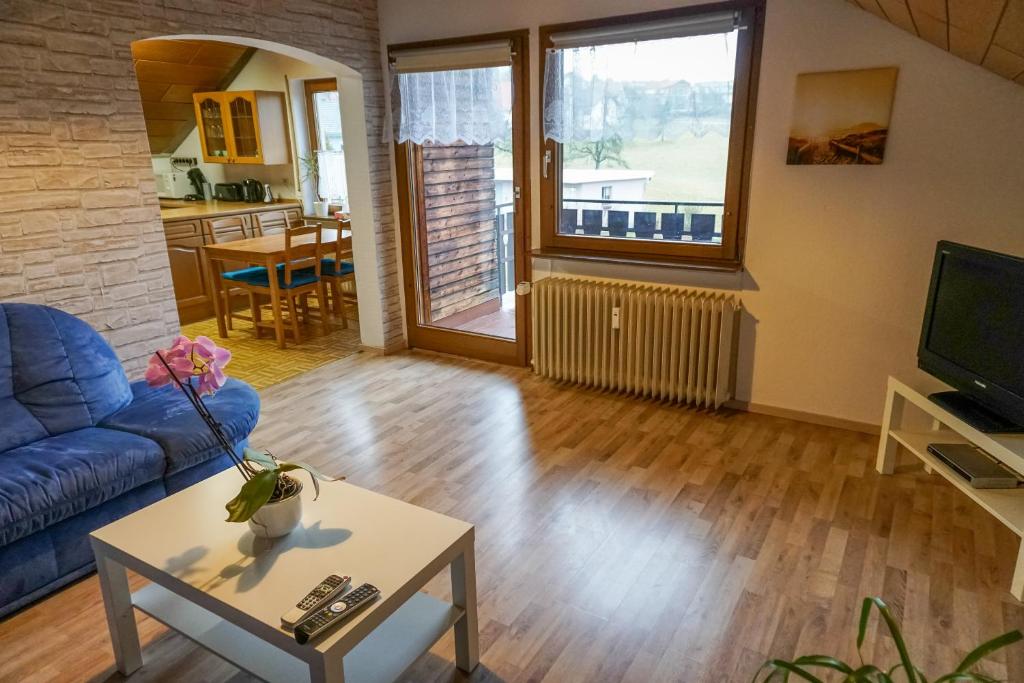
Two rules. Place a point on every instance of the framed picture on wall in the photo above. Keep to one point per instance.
(842, 117)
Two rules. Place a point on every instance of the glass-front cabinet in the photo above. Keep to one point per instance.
(242, 127)
(210, 119)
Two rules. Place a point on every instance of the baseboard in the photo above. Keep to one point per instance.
(801, 416)
(393, 348)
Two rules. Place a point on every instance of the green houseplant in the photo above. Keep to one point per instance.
(311, 174)
(269, 498)
(804, 668)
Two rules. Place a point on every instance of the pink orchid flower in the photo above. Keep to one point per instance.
(201, 358)
(213, 359)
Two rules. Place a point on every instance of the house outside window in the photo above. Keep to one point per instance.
(665, 97)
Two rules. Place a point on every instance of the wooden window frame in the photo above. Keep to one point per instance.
(729, 254)
(312, 87)
(415, 278)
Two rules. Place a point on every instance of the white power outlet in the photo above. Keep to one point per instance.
(615, 318)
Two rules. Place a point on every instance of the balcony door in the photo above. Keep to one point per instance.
(460, 110)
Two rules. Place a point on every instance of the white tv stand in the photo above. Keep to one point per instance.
(1006, 504)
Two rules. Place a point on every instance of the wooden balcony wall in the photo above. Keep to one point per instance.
(459, 207)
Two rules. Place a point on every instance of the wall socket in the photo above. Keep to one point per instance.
(184, 161)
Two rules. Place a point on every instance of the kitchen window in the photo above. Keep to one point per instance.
(323, 120)
(655, 109)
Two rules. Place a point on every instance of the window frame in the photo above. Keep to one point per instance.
(311, 87)
(729, 254)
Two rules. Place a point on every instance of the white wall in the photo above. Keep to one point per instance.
(837, 258)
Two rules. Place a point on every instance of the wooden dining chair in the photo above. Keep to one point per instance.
(336, 268)
(295, 279)
(271, 222)
(218, 231)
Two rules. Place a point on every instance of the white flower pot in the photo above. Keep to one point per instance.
(278, 518)
(322, 209)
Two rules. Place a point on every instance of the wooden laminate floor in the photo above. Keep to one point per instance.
(617, 539)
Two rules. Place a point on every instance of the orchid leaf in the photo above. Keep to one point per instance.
(265, 460)
(314, 474)
(253, 495)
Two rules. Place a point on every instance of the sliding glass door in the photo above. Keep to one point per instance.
(460, 143)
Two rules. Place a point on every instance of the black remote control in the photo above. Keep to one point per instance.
(325, 592)
(332, 615)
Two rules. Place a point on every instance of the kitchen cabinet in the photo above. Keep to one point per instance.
(185, 253)
(242, 127)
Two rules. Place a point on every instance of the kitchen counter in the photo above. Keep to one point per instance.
(179, 209)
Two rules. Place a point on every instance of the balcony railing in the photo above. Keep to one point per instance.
(504, 229)
(621, 218)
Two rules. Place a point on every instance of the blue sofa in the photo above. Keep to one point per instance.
(80, 446)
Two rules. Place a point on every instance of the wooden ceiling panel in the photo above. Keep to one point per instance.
(218, 54)
(989, 33)
(169, 71)
(184, 74)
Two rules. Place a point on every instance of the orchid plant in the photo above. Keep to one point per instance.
(196, 368)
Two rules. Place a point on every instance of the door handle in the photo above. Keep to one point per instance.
(547, 161)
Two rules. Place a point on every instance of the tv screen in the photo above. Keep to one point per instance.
(973, 333)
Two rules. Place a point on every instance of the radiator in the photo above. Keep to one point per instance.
(671, 344)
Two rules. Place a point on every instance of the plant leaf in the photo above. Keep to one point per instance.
(987, 648)
(824, 661)
(252, 496)
(791, 668)
(894, 631)
(262, 459)
(314, 474)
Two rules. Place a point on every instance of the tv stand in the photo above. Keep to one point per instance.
(975, 414)
(1007, 505)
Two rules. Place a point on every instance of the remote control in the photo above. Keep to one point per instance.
(327, 590)
(330, 616)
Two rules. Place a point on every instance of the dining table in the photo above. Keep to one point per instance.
(267, 251)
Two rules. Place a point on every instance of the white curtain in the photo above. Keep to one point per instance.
(333, 185)
(463, 105)
(595, 93)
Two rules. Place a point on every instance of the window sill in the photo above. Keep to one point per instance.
(637, 260)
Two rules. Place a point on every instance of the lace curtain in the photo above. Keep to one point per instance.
(333, 185)
(596, 93)
(463, 105)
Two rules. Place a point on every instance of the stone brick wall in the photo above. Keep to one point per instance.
(79, 220)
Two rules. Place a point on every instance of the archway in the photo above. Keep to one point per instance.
(357, 169)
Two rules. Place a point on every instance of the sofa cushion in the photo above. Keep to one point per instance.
(60, 476)
(165, 416)
(56, 375)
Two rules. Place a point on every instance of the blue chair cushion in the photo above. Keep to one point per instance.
(329, 268)
(165, 416)
(257, 276)
(61, 476)
(56, 375)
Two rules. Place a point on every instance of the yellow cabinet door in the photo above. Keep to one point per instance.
(213, 128)
(242, 115)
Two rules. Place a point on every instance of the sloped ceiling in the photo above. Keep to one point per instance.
(985, 32)
(169, 71)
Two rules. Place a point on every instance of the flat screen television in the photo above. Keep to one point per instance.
(973, 335)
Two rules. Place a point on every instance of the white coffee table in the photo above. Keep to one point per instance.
(213, 582)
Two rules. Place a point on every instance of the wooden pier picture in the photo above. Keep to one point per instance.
(842, 117)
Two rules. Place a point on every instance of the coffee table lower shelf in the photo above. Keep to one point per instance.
(381, 657)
